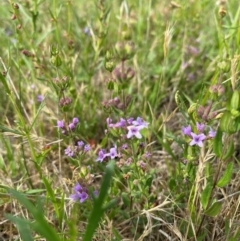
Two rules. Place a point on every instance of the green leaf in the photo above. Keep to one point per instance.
(33, 191)
(214, 209)
(126, 199)
(104, 141)
(229, 151)
(110, 85)
(116, 234)
(172, 184)
(23, 227)
(228, 124)
(53, 199)
(217, 144)
(41, 226)
(111, 204)
(98, 209)
(6, 129)
(148, 181)
(37, 114)
(4, 82)
(226, 178)
(206, 195)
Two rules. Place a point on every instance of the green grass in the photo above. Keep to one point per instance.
(173, 64)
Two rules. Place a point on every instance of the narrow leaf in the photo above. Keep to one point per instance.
(214, 209)
(40, 225)
(22, 226)
(226, 178)
(206, 195)
(37, 114)
(229, 151)
(98, 210)
(217, 144)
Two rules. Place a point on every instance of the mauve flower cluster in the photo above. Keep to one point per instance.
(71, 151)
(121, 154)
(197, 139)
(132, 126)
(112, 154)
(80, 193)
(61, 125)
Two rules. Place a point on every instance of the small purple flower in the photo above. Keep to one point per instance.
(134, 131)
(125, 146)
(87, 148)
(101, 155)
(40, 98)
(122, 123)
(147, 155)
(80, 193)
(187, 130)
(80, 143)
(112, 153)
(60, 124)
(211, 133)
(197, 139)
(139, 122)
(116, 100)
(83, 197)
(109, 122)
(75, 120)
(87, 31)
(130, 120)
(69, 152)
(128, 161)
(142, 164)
(78, 188)
(200, 127)
(71, 126)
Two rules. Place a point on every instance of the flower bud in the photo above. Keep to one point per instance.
(116, 100)
(13, 17)
(212, 115)
(119, 75)
(109, 56)
(56, 61)
(27, 53)
(206, 112)
(109, 65)
(130, 73)
(65, 101)
(200, 111)
(126, 34)
(120, 106)
(216, 89)
(221, 90)
(15, 6)
(129, 49)
(54, 50)
(213, 89)
(222, 12)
